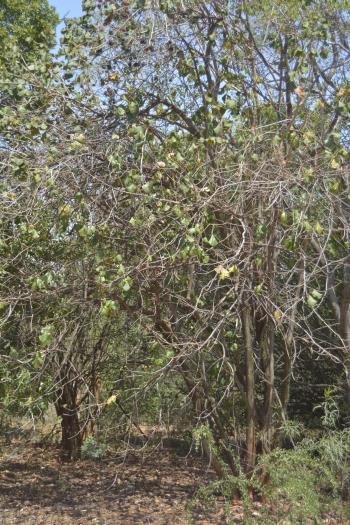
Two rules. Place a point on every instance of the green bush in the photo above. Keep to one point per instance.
(311, 479)
(90, 449)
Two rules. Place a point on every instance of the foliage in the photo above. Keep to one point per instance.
(28, 27)
(91, 450)
(307, 481)
(27, 32)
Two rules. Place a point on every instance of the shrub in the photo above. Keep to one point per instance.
(311, 479)
(90, 449)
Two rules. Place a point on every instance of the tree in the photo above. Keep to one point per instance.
(27, 34)
(216, 133)
(194, 170)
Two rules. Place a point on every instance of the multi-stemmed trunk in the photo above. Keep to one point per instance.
(67, 409)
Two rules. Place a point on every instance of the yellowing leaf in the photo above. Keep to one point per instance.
(299, 91)
(111, 399)
(277, 315)
(222, 272)
(284, 217)
(334, 164)
(259, 288)
(318, 228)
(308, 174)
(233, 269)
(342, 92)
(65, 210)
(113, 77)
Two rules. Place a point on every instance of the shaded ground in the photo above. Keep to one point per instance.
(36, 488)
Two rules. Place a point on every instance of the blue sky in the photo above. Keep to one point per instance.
(67, 7)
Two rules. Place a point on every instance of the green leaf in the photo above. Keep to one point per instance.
(46, 335)
(213, 242)
(108, 307)
(311, 301)
(316, 294)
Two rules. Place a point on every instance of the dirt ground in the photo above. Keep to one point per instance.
(37, 488)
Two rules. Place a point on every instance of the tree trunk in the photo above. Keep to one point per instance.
(250, 387)
(68, 410)
(289, 344)
(287, 374)
(344, 325)
(71, 435)
(267, 347)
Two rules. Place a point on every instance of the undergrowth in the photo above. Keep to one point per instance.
(303, 485)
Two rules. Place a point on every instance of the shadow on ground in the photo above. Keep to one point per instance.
(36, 488)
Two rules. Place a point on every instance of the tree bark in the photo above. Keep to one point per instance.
(268, 362)
(344, 324)
(71, 435)
(250, 386)
(68, 410)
